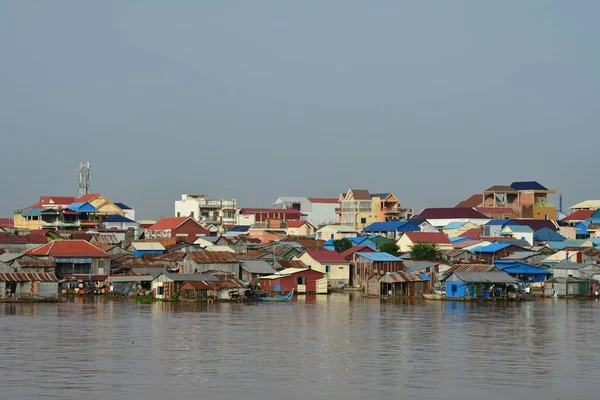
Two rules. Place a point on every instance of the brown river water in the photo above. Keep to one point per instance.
(337, 346)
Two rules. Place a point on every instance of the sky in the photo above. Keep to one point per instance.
(252, 100)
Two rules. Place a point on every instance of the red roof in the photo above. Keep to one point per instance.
(7, 223)
(36, 205)
(87, 198)
(169, 223)
(473, 233)
(356, 249)
(472, 201)
(580, 215)
(450, 213)
(67, 248)
(63, 200)
(23, 239)
(297, 224)
(326, 256)
(323, 200)
(428, 237)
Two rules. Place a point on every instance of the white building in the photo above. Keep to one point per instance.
(319, 211)
(220, 213)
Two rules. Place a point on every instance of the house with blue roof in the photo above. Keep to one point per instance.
(522, 232)
(494, 251)
(129, 212)
(391, 229)
(523, 272)
(495, 226)
(121, 222)
(546, 235)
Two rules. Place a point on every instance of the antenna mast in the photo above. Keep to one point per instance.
(83, 177)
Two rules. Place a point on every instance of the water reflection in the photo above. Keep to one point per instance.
(317, 346)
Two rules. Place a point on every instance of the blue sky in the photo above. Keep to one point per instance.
(432, 100)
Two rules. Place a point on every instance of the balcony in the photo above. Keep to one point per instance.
(60, 224)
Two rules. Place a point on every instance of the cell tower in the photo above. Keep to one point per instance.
(83, 177)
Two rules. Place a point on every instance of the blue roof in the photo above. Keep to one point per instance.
(123, 206)
(490, 248)
(595, 216)
(425, 276)
(518, 267)
(560, 245)
(391, 226)
(374, 256)
(547, 234)
(459, 239)
(32, 212)
(454, 225)
(240, 228)
(117, 218)
(595, 241)
(528, 185)
(520, 228)
(82, 207)
(501, 222)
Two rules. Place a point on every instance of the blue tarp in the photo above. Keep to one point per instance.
(424, 276)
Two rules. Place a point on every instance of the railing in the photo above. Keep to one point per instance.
(544, 205)
(61, 224)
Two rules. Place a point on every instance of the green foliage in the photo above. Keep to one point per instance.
(146, 299)
(390, 248)
(175, 296)
(342, 245)
(425, 252)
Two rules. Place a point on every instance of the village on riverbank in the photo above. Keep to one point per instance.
(507, 242)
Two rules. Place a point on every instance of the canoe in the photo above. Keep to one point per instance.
(274, 298)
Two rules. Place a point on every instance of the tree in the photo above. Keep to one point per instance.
(424, 251)
(341, 245)
(390, 248)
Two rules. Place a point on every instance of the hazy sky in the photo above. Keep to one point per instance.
(432, 100)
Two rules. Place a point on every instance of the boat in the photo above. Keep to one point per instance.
(265, 297)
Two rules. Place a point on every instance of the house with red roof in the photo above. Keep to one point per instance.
(185, 228)
(410, 238)
(335, 267)
(75, 259)
(299, 228)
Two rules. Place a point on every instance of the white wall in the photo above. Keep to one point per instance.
(440, 223)
(321, 213)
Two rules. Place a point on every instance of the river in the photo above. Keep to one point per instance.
(336, 346)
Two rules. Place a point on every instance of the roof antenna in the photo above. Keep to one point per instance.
(84, 177)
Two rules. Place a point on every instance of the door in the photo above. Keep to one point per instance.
(277, 287)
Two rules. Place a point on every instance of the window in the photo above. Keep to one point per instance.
(178, 214)
(453, 287)
(300, 280)
(546, 216)
(363, 220)
(340, 267)
(191, 214)
(357, 270)
(159, 290)
(331, 236)
(327, 268)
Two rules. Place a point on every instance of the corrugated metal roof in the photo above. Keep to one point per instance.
(67, 248)
(491, 248)
(520, 255)
(547, 234)
(82, 208)
(257, 267)
(286, 272)
(376, 256)
(326, 257)
(35, 262)
(148, 246)
(453, 225)
(469, 268)
(527, 185)
(518, 228)
(216, 257)
(289, 264)
(27, 277)
(492, 277)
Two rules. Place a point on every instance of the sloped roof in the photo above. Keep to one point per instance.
(117, 218)
(519, 228)
(517, 267)
(490, 248)
(355, 249)
(500, 189)
(537, 224)
(527, 185)
(485, 277)
(361, 194)
(495, 210)
(147, 246)
(428, 237)
(472, 233)
(579, 215)
(450, 213)
(67, 248)
(298, 224)
(35, 262)
(466, 243)
(37, 238)
(473, 201)
(169, 223)
(500, 222)
(123, 206)
(257, 267)
(546, 234)
(377, 256)
(216, 257)
(59, 200)
(287, 264)
(7, 223)
(392, 226)
(592, 204)
(326, 256)
(469, 268)
(454, 225)
(27, 277)
(82, 207)
(87, 197)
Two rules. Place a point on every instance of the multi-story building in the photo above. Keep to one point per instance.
(359, 208)
(220, 213)
(526, 200)
(319, 211)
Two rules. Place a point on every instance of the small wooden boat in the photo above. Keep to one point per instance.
(273, 298)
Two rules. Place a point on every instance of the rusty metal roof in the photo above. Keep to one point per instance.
(27, 277)
(29, 261)
(209, 257)
(470, 268)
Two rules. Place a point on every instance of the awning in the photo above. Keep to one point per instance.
(424, 276)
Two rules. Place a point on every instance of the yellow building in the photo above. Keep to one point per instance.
(455, 229)
(359, 208)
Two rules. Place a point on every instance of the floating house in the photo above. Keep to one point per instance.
(523, 272)
(477, 284)
(301, 280)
